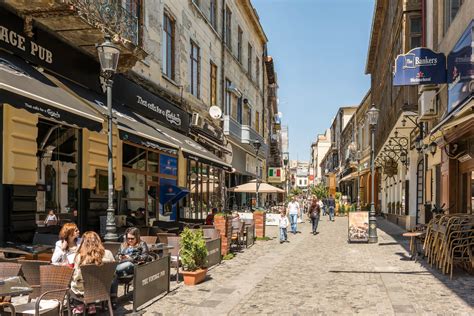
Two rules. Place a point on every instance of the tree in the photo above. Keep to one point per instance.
(321, 191)
(296, 191)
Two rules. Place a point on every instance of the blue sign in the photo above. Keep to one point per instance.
(461, 69)
(168, 165)
(418, 67)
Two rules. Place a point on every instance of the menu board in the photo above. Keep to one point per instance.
(358, 226)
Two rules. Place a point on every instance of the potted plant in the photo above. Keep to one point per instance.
(193, 254)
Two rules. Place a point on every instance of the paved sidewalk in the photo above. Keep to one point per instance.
(323, 275)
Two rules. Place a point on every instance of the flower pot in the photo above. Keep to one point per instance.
(194, 277)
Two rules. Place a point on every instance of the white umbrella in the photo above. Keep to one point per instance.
(251, 187)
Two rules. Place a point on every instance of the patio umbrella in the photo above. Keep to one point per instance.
(251, 187)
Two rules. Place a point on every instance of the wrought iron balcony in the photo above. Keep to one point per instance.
(115, 16)
(232, 127)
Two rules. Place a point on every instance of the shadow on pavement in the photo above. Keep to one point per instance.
(390, 272)
(462, 283)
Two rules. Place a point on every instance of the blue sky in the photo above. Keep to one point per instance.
(319, 49)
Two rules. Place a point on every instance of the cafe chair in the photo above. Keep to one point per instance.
(112, 246)
(9, 307)
(54, 287)
(9, 269)
(163, 237)
(174, 241)
(149, 240)
(211, 233)
(97, 282)
(30, 270)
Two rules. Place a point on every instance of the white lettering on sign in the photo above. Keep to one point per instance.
(16, 40)
(213, 251)
(153, 277)
(171, 117)
(426, 61)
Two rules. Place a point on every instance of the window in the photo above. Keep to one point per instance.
(249, 60)
(168, 46)
(239, 44)
(213, 87)
(228, 97)
(195, 69)
(257, 121)
(213, 13)
(239, 110)
(416, 30)
(451, 8)
(257, 71)
(249, 116)
(228, 27)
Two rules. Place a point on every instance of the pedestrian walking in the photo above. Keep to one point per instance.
(283, 224)
(324, 206)
(293, 211)
(331, 206)
(314, 212)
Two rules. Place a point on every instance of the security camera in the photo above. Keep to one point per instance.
(246, 101)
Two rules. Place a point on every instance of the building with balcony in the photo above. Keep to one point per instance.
(318, 150)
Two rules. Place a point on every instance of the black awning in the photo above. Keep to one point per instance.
(190, 148)
(24, 87)
(131, 127)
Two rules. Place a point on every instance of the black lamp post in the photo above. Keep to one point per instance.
(256, 145)
(109, 56)
(372, 118)
(358, 157)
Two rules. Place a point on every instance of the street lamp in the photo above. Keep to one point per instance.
(358, 157)
(256, 145)
(109, 56)
(372, 118)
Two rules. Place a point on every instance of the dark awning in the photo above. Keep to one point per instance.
(131, 127)
(24, 87)
(191, 149)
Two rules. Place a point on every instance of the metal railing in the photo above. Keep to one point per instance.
(120, 17)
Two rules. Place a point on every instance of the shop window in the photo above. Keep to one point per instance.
(133, 196)
(153, 159)
(134, 157)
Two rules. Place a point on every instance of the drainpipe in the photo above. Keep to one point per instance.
(223, 190)
(264, 56)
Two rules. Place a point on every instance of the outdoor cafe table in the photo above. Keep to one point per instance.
(22, 249)
(413, 243)
(14, 286)
(160, 248)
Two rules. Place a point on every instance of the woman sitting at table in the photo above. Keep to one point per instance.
(51, 219)
(132, 251)
(91, 251)
(67, 245)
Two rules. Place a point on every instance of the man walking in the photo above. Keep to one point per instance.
(293, 211)
(331, 204)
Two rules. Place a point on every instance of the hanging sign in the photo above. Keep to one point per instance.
(419, 66)
(461, 69)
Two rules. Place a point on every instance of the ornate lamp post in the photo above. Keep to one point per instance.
(109, 56)
(358, 157)
(372, 118)
(256, 145)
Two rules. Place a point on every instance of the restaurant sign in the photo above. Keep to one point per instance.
(461, 69)
(420, 66)
(358, 227)
(150, 105)
(213, 252)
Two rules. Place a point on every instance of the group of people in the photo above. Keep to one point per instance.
(75, 251)
(312, 209)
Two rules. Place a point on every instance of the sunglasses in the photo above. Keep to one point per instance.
(131, 238)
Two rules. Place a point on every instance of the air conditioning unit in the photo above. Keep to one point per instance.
(427, 104)
(195, 119)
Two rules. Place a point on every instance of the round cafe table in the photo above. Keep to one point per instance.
(13, 286)
(413, 243)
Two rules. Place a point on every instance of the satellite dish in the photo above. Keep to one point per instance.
(215, 112)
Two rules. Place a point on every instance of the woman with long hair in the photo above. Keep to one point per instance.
(67, 245)
(314, 212)
(91, 251)
(132, 251)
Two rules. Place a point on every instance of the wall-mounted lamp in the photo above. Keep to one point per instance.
(433, 147)
(419, 144)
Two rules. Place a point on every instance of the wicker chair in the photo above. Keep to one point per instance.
(54, 287)
(31, 272)
(9, 269)
(97, 281)
(211, 233)
(175, 259)
(112, 246)
(149, 240)
(163, 237)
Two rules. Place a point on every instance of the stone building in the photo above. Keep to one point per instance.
(318, 150)
(178, 59)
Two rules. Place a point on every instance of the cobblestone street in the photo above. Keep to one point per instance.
(323, 274)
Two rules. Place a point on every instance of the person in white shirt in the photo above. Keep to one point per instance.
(283, 224)
(51, 219)
(293, 211)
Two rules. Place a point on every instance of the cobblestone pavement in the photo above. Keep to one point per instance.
(322, 275)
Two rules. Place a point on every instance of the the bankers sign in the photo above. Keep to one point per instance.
(461, 69)
(419, 66)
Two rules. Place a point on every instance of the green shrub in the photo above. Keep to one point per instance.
(228, 256)
(193, 251)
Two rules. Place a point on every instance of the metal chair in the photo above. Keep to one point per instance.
(175, 259)
(9, 269)
(54, 287)
(31, 272)
(97, 281)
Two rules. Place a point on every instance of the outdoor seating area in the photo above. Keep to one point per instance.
(449, 242)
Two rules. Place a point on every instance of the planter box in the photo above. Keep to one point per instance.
(259, 219)
(224, 226)
(194, 277)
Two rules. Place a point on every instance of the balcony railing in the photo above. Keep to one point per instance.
(115, 16)
(232, 127)
(249, 135)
